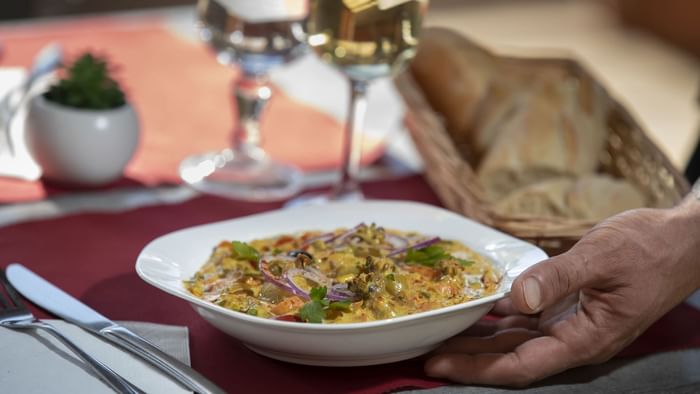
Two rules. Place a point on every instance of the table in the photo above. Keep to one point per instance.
(141, 213)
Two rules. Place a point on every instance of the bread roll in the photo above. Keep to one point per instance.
(597, 197)
(549, 131)
(591, 197)
(454, 74)
(543, 199)
(501, 103)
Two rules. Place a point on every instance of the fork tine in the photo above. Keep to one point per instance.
(4, 283)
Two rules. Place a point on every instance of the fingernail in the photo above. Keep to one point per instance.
(438, 369)
(533, 295)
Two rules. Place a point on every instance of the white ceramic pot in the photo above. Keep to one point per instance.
(79, 146)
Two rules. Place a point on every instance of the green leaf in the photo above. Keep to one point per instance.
(315, 310)
(428, 256)
(312, 312)
(432, 255)
(318, 293)
(243, 251)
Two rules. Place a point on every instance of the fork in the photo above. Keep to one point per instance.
(14, 314)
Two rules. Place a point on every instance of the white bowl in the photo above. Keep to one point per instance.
(172, 258)
(79, 146)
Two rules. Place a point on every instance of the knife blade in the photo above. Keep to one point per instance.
(51, 298)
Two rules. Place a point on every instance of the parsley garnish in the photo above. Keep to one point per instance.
(428, 256)
(431, 255)
(243, 251)
(315, 310)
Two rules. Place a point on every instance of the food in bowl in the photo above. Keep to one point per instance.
(365, 273)
(172, 259)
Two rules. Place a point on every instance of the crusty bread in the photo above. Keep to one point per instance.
(550, 130)
(590, 197)
(534, 133)
(542, 199)
(600, 196)
(454, 75)
(500, 104)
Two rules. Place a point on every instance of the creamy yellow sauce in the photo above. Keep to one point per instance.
(348, 275)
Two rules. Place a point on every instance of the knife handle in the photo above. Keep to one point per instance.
(182, 373)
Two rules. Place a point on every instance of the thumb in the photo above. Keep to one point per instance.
(548, 282)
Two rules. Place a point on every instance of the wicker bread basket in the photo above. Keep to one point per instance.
(629, 154)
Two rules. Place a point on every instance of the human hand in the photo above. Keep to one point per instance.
(584, 306)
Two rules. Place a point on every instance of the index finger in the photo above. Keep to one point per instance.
(535, 359)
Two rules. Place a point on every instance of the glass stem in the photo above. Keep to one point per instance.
(251, 94)
(352, 142)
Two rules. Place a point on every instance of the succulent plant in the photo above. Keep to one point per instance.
(87, 85)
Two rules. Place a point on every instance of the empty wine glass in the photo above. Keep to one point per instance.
(365, 39)
(255, 36)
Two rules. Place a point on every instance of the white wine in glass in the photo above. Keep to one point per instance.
(255, 36)
(365, 39)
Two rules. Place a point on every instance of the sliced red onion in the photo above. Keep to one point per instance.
(418, 246)
(326, 237)
(316, 275)
(264, 267)
(294, 288)
(309, 273)
(342, 236)
(396, 241)
(340, 292)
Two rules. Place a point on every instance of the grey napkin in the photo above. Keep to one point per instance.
(32, 361)
(671, 372)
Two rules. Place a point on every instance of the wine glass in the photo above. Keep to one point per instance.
(255, 36)
(365, 40)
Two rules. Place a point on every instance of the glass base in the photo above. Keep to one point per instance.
(247, 176)
(325, 198)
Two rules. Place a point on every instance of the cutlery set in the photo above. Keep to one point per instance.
(14, 315)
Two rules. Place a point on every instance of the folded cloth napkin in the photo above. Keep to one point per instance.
(20, 164)
(32, 361)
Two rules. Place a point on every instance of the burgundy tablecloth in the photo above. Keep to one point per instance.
(92, 257)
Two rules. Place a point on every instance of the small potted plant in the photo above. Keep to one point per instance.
(82, 130)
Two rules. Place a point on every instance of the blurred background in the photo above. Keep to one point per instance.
(22, 9)
(675, 21)
(645, 51)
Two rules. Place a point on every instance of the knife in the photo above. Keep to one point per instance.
(46, 295)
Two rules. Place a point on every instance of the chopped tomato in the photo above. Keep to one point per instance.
(428, 272)
(283, 240)
(287, 305)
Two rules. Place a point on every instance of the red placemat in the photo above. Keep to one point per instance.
(183, 97)
(92, 256)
